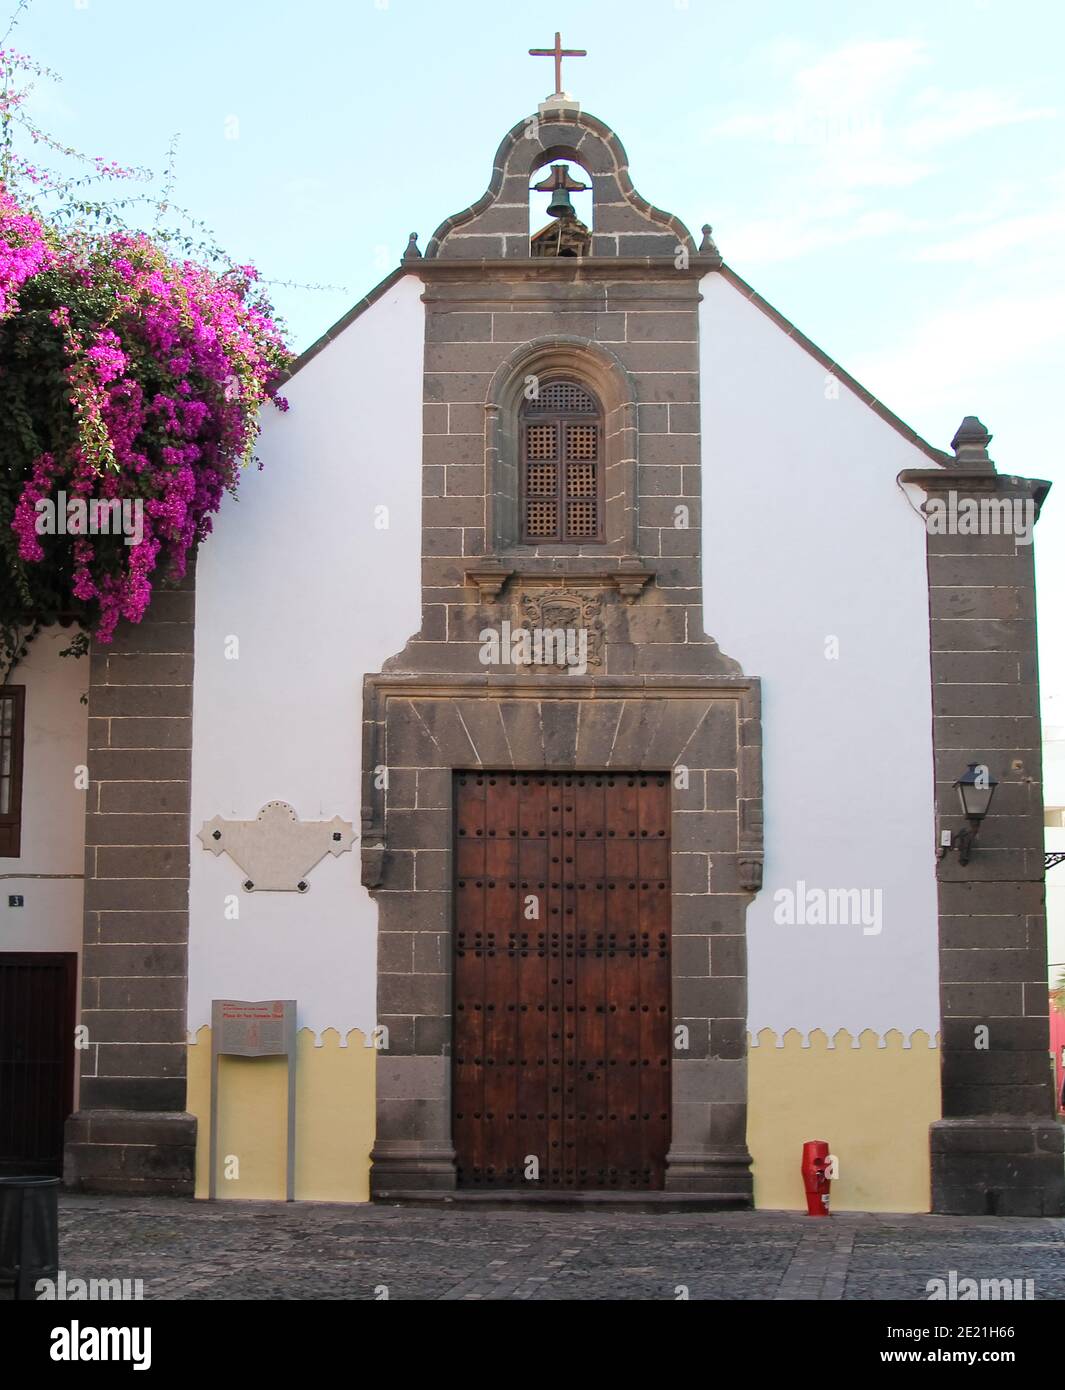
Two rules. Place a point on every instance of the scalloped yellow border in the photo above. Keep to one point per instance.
(335, 1117)
(871, 1097)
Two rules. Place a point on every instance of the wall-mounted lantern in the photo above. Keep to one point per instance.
(975, 787)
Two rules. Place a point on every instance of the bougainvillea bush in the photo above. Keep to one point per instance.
(124, 374)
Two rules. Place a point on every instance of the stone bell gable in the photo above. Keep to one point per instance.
(496, 226)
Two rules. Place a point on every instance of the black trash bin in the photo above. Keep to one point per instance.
(29, 1234)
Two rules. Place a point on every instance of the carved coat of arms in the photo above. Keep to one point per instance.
(566, 626)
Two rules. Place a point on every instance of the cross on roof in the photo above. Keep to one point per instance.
(558, 53)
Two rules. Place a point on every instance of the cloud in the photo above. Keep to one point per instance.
(989, 242)
(857, 125)
(837, 106)
(860, 74)
(865, 163)
(959, 348)
(811, 229)
(838, 96)
(940, 117)
(44, 104)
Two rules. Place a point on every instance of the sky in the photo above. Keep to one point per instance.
(890, 177)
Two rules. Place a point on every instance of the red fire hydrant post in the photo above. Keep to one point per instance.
(814, 1177)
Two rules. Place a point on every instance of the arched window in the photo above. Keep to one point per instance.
(561, 443)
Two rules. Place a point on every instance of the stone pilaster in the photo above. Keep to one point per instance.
(131, 1132)
(998, 1148)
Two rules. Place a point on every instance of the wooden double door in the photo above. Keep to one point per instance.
(562, 1015)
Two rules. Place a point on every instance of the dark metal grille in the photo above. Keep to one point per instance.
(12, 711)
(542, 479)
(7, 751)
(582, 520)
(563, 396)
(582, 441)
(541, 442)
(562, 477)
(580, 480)
(562, 1029)
(541, 519)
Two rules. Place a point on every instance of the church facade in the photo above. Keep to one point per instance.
(565, 726)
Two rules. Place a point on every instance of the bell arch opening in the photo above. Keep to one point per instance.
(561, 208)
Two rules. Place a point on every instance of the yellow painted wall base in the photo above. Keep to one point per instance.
(334, 1119)
(872, 1104)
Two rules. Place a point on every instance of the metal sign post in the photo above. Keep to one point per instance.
(264, 1028)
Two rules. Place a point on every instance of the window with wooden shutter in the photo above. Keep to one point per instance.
(562, 465)
(12, 733)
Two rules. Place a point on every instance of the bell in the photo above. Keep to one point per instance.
(560, 205)
(560, 186)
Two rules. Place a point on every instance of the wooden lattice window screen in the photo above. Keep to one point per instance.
(562, 465)
(12, 733)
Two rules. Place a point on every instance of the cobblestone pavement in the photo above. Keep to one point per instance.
(266, 1250)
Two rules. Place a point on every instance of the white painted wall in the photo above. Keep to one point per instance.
(317, 597)
(53, 809)
(807, 536)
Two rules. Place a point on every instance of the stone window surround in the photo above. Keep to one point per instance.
(594, 365)
(464, 722)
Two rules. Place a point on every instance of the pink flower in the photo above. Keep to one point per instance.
(23, 251)
(25, 519)
(107, 356)
(163, 401)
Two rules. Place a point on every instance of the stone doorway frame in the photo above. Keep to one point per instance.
(421, 730)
